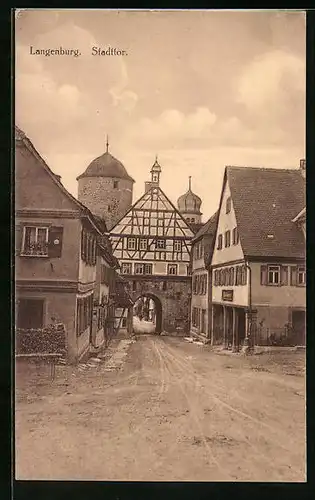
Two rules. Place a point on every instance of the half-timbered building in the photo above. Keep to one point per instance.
(152, 242)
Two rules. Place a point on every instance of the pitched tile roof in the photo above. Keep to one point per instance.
(22, 140)
(265, 201)
(208, 228)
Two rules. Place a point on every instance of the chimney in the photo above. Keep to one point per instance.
(303, 167)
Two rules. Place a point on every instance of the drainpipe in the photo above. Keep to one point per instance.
(247, 339)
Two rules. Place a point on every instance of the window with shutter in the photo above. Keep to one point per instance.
(83, 252)
(284, 275)
(18, 239)
(263, 275)
(55, 236)
(293, 277)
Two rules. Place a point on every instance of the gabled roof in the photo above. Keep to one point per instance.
(265, 201)
(22, 140)
(144, 198)
(208, 228)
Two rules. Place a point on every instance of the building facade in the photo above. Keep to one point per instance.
(152, 242)
(57, 250)
(202, 247)
(258, 262)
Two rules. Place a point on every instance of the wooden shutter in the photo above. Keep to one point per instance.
(263, 275)
(94, 251)
(18, 239)
(284, 275)
(83, 248)
(293, 280)
(55, 241)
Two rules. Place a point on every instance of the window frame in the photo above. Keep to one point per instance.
(277, 269)
(172, 266)
(157, 246)
(46, 228)
(141, 240)
(220, 242)
(124, 265)
(301, 270)
(129, 239)
(227, 238)
(176, 243)
(228, 205)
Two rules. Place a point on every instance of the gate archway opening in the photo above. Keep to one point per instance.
(147, 315)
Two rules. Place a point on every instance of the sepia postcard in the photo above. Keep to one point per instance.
(160, 225)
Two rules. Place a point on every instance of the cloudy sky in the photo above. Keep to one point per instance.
(200, 89)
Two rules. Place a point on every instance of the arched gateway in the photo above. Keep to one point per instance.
(147, 314)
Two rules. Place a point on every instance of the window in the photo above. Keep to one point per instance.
(188, 219)
(235, 236)
(160, 244)
(192, 219)
(238, 275)
(232, 276)
(30, 313)
(219, 242)
(143, 244)
(273, 275)
(160, 222)
(109, 208)
(227, 238)
(228, 205)
(126, 268)
(84, 313)
(177, 246)
(146, 221)
(204, 284)
(115, 184)
(216, 278)
(301, 276)
(35, 241)
(172, 269)
(131, 243)
(143, 268)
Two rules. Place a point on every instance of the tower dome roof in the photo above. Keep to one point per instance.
(189, 202)
(106, 165)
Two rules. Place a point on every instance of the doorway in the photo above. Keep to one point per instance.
(147, 315)
(299, 326)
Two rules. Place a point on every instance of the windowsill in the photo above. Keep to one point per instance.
(33, 255)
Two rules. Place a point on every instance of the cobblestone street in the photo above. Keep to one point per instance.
(162, 409)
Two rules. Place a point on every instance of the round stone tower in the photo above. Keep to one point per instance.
(189, 206)
(106, 189)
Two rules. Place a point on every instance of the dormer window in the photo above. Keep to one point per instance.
(228, 205)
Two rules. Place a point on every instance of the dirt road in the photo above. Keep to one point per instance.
(174, 412)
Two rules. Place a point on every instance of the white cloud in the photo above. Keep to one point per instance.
(173, 126)
(270, 80)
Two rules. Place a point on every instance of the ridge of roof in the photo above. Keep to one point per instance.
(21, 136)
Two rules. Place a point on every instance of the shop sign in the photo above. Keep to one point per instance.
(227, 295)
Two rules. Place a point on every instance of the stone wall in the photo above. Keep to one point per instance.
(100, 196)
